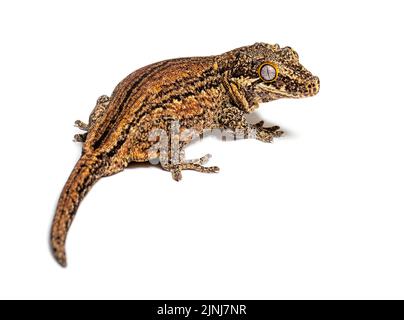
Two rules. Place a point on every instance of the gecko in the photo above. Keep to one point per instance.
(198, 93)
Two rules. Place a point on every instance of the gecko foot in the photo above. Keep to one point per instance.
(81, 125)
(200, 161)
(80, 137)
(260, 125)
(196, 165)
(267, 134)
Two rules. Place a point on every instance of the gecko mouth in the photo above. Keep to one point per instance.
(278, 94)
(309, 89)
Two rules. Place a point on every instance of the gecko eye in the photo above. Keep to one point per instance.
(268, 71)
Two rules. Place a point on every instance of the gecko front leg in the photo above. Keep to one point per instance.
(233, 118)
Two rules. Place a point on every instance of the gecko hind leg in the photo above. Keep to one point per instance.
(98, 111)
(195, 164)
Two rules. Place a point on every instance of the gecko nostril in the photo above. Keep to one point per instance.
(313, 87)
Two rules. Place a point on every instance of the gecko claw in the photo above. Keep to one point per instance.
(176, 174)
(260, 124)
(214, 169)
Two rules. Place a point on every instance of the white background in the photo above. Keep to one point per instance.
(317, 214)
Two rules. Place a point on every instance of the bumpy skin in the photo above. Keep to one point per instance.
(201, 93)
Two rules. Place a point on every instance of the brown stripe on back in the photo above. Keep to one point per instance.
(127, 99)
(125, 94)
(120, 97)
(145, 108)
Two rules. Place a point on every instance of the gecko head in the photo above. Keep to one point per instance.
(268, 72)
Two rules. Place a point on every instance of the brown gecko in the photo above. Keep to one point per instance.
(198, 93)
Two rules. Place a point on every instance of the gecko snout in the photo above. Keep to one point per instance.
(313, 87)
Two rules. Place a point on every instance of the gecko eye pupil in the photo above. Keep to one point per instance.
(268, 72)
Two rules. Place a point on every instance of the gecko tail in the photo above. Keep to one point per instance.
(83, 177)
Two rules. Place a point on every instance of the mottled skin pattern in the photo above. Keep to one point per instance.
(201, 93)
